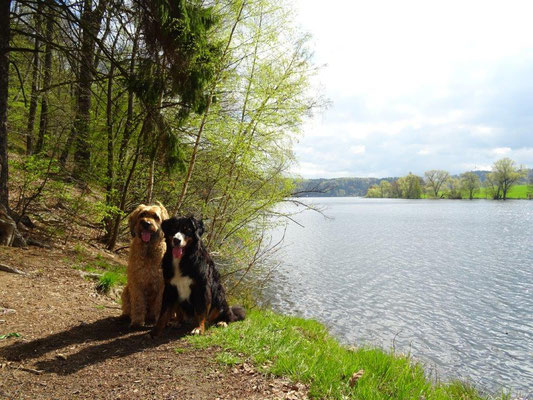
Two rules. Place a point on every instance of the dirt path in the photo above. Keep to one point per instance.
(73, 346)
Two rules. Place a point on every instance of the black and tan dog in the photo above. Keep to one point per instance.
(192, 282)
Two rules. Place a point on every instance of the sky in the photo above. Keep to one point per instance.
(418, 85)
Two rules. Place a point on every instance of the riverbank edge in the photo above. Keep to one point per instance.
(304, 351)
(299, 349)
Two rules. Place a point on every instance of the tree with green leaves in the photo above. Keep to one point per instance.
(505, 174)
(192, 103)
(453, 188)
(385, 188)
(471, 183)
(411, 186)
(434, 180)
(374, 192)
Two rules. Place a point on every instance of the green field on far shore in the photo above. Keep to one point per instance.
(518, 192)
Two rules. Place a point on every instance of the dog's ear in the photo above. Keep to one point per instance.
(166, 225)
(198, 225)
(164, 212)
(132, 219)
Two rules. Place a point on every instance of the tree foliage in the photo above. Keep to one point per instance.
(193, 103)
(406, 187)
(434, 180)
(470, 182)
(505, 174)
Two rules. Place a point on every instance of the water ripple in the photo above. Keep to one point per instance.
(451, 282)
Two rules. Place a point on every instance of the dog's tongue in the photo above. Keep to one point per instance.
(145, 236)
(177, 252)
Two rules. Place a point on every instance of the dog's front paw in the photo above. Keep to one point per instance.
(197, 331)
(137, 325)
(222, 324)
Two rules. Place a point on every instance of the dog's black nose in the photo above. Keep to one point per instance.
(176, 241)
(146, 224)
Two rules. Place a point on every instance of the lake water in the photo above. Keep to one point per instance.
(449, 281)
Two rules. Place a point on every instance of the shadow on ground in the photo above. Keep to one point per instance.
(98, 341)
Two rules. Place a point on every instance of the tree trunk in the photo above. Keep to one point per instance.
(125, 186)
(150, 188)
(153, 117)
(34, 80)
(90, 23)
(122, 206)
(82, 154)
(9, 233)
(4, 81)
(43, 123)
(128, 126)
(122, 183)
(108, 220)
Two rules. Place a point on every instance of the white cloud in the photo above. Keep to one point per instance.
(524, 155)
(475, 167)
(501, 151)
(306, 150)
(360, 149)
(410, 93)
(312, 170)
(482, 131)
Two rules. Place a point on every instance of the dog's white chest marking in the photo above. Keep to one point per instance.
(182, 283)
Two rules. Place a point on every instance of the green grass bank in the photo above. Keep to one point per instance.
(304, 351)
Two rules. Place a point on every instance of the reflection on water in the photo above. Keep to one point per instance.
(451, 282)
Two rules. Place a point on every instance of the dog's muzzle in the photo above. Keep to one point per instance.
(178, 243)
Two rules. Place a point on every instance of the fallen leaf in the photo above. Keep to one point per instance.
(356, 376)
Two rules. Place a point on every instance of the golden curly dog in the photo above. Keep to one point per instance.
(142, 296)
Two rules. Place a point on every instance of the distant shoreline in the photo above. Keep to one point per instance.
(358, 187)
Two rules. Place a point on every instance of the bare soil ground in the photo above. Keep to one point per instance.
(72, 344)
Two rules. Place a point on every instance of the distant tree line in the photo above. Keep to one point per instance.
(336, 187)
(434, 184)
(440, 184)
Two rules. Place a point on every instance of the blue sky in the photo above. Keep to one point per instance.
(418, 85)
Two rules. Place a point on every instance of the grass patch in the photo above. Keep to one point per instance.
(110, 279)
(304, 351)
(228, 358)
(112, 274)
(10, 335)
